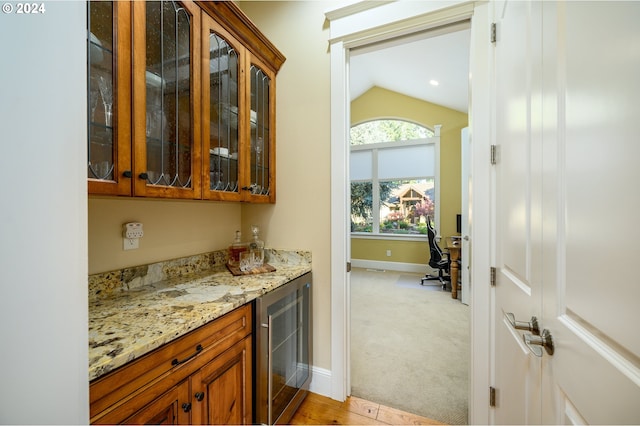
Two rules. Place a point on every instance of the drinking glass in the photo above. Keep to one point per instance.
(258, 257)
(246, 261)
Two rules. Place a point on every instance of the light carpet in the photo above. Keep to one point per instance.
(409, 345)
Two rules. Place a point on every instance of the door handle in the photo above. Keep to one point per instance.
(531, 326)
(536, 343)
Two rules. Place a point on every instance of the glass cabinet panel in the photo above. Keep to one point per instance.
(260, 137)
(168, 95)
(223, 115)
(100, 84)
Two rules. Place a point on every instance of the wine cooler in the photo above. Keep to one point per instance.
(283, 351)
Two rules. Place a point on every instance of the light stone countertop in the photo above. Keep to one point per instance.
(127, 324)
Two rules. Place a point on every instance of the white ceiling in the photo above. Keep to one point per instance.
(407, 65)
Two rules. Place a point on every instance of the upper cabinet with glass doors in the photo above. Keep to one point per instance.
(166, 99)
(198, 120)
(109, 97)
(238, 91)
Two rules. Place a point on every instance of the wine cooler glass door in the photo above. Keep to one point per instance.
(287, 324)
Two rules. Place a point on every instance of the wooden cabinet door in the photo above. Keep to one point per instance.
(109, 97)
(222, 389)
(259, 175)
(166, 99)
(171, 408)
(222, 112)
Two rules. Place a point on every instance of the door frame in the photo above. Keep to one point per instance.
(365, 23)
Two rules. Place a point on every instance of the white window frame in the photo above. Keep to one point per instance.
(375, 185)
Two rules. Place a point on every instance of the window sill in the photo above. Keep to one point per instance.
(397, 237)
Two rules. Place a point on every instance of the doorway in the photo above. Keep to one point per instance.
(426, 84)
(385, 21)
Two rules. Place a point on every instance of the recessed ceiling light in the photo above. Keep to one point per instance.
(433, 82)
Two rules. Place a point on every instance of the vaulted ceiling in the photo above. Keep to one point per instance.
(410, 65)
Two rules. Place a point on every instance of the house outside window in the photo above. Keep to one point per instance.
(393, 178)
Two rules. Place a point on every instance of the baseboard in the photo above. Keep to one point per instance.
(320, 381)
(392, 266)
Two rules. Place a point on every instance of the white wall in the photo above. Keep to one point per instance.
(43, 219)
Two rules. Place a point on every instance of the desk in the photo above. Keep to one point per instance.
(454, 247)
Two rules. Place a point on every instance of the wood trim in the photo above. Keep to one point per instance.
(234, 20)
(139, 96)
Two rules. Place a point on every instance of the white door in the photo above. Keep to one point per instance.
(465, 254)
(566, 113)
(591, 290)
(518, 288)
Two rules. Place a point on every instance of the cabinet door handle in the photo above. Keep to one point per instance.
(127, 173)
(186, 407)
(199, 396)
(143, 175)
(176, 361)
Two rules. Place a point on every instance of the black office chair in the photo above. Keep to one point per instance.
(439, 260)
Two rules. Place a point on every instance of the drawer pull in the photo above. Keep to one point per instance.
(199, 396)
(186, 407)
(176, 361)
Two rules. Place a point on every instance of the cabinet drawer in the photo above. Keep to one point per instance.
(168, 365)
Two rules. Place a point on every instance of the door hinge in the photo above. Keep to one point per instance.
(348, 266)
(492, 396)
(494, 155)
(494, 32)
(492, 276)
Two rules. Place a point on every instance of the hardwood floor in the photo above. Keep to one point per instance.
(320, 410)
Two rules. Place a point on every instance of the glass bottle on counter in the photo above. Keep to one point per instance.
(235, 249)
(257, 246)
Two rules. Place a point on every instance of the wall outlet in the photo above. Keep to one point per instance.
(133, 230)
(131, 234)
(130, 243)
(388, 253)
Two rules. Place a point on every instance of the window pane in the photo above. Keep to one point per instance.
(406, 162)
(405, 205)
(361, 165)
(361, 207)
(387, 131)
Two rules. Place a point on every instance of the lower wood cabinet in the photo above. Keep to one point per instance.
(222, 388)
(204, 377)
(169, 409)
